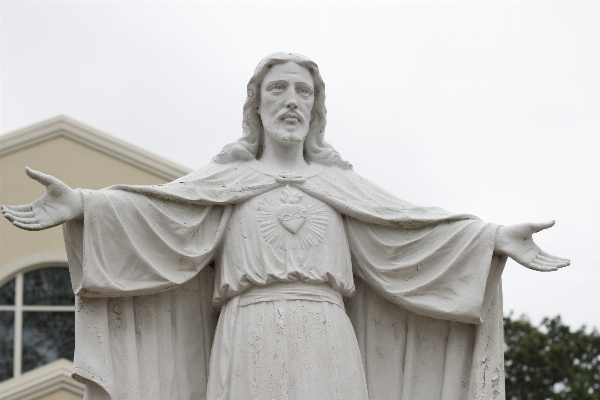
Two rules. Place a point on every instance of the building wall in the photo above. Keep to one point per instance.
(77, 165)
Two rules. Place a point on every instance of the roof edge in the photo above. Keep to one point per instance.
(41, 381)
(63, 126)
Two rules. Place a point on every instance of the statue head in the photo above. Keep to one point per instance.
(250, 145)
(286, 103)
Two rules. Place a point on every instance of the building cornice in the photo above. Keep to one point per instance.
(63, 126)
(42, 381)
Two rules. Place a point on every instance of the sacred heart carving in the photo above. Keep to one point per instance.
(289, 220)
(291, 216)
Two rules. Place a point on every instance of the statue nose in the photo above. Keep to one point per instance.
(291, 102)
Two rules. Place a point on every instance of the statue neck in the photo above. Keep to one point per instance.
(279, 156)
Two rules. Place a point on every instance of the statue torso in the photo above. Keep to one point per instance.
(283, 235)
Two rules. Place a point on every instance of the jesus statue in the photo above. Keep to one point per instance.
(276, 272)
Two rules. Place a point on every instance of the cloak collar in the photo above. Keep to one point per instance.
(345, 191)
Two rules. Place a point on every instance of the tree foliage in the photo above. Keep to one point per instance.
(550, 361)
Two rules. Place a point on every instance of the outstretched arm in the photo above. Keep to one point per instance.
(58, 205)
(516, 241)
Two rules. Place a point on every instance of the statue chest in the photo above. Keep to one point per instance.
(284, 235)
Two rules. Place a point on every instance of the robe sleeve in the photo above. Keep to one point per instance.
(136, 339)
(445, 271)
(130, 244)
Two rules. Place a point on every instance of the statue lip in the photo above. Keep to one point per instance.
(291, 116)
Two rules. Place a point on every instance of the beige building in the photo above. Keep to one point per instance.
(36, 301)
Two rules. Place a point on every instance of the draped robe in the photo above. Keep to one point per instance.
(427, 308)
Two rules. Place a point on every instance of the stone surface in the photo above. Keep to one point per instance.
(326, 284)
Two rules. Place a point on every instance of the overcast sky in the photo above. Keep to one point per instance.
(486, 108)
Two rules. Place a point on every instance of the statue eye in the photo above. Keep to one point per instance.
(304, 91)
(277, 86)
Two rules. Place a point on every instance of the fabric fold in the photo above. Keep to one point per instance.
(130, 244)
(446, 271)
(407, 356)
(147, 347)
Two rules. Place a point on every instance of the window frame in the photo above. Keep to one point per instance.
(19, 308)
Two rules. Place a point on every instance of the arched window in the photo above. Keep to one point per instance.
(37, 320)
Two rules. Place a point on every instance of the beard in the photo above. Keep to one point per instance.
(284, 136)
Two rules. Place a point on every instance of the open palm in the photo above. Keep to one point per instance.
(516, 241)
(59, 204)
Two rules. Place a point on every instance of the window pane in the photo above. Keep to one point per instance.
(7, 294)
(48, 286)
(7, 339)
(47, 336)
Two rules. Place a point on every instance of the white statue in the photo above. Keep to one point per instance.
(328, 287)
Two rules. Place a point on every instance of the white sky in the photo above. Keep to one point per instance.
(487, 108)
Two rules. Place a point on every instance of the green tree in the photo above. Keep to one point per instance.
(550, 361)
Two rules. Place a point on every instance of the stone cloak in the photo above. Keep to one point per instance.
(140, 266)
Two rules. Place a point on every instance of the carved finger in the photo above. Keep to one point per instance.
(542, 225)
(547, 259)
(556, 263)
(13, 216)
(546, 264)
(7, 211)
(545, 254)
(9, 216)
(39, 176)
(28, 227)
(29, 221)
(24, 207)
(538, 266)
(23, 214)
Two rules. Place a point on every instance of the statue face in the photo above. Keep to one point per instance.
(286, 101)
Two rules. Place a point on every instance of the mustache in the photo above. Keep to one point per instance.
(291, 114)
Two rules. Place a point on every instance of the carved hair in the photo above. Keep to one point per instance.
(250, 145)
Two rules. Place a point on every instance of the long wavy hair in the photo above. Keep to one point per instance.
(250, 145)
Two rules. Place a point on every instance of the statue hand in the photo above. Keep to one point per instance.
(516, 241)
(59, 204)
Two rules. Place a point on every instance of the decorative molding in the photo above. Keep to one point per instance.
(63, 126)
(42, 381)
